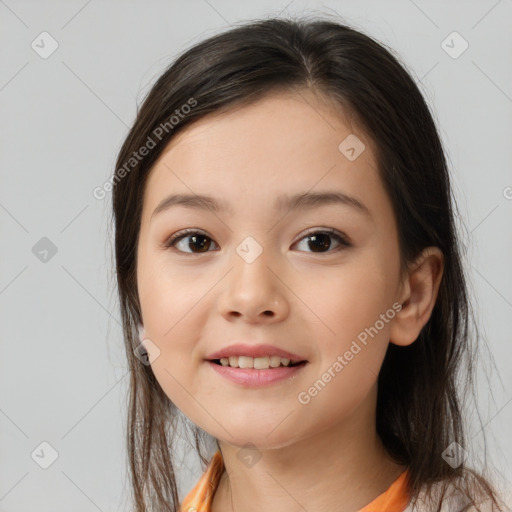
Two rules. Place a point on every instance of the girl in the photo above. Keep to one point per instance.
(285, 246)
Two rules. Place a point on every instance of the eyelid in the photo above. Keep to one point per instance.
(330, 231)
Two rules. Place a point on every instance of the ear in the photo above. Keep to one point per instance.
(142, 332)
(418, 296)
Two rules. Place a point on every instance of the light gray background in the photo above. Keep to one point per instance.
(63, 376)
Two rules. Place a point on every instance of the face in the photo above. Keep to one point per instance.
(317, 278)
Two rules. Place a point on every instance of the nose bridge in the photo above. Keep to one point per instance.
(252, 287)
(250, 261)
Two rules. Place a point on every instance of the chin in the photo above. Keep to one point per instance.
(257, 437)
(257, 444)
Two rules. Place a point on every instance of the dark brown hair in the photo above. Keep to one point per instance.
(419, 405)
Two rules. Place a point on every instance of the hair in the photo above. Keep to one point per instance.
(419, 408)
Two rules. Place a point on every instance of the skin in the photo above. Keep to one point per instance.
(323, 455)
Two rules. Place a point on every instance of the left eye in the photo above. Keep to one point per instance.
(317, 240)
(320, 240)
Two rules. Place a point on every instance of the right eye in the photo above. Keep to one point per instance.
(197, 240)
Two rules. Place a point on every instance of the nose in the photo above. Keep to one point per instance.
(253, 291)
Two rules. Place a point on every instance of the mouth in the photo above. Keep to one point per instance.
(257, 372)
(257, 363)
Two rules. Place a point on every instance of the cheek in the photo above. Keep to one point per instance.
(171, 320)
(172, 309)
(167, 298)
(347, 300)
(352, 345)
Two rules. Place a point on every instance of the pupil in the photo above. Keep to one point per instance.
(322, 238)
(194, 239)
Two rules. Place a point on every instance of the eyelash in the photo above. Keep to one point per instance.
(339, 237)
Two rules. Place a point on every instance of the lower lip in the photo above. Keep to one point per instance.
(249, 377)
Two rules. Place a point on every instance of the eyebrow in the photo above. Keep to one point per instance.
(306, 200)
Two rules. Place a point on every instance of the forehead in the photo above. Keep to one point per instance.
(287, 142)
(294, 122)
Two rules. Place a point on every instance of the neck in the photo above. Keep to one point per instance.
(344, 467)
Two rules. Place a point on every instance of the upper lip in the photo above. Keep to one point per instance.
(241, 349)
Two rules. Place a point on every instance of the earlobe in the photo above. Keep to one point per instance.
(418, 297)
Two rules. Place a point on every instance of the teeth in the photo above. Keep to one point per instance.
(275, 361)
(245, 362)
(258, 363)
(261, 363)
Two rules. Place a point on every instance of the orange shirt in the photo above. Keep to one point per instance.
(199, 499)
